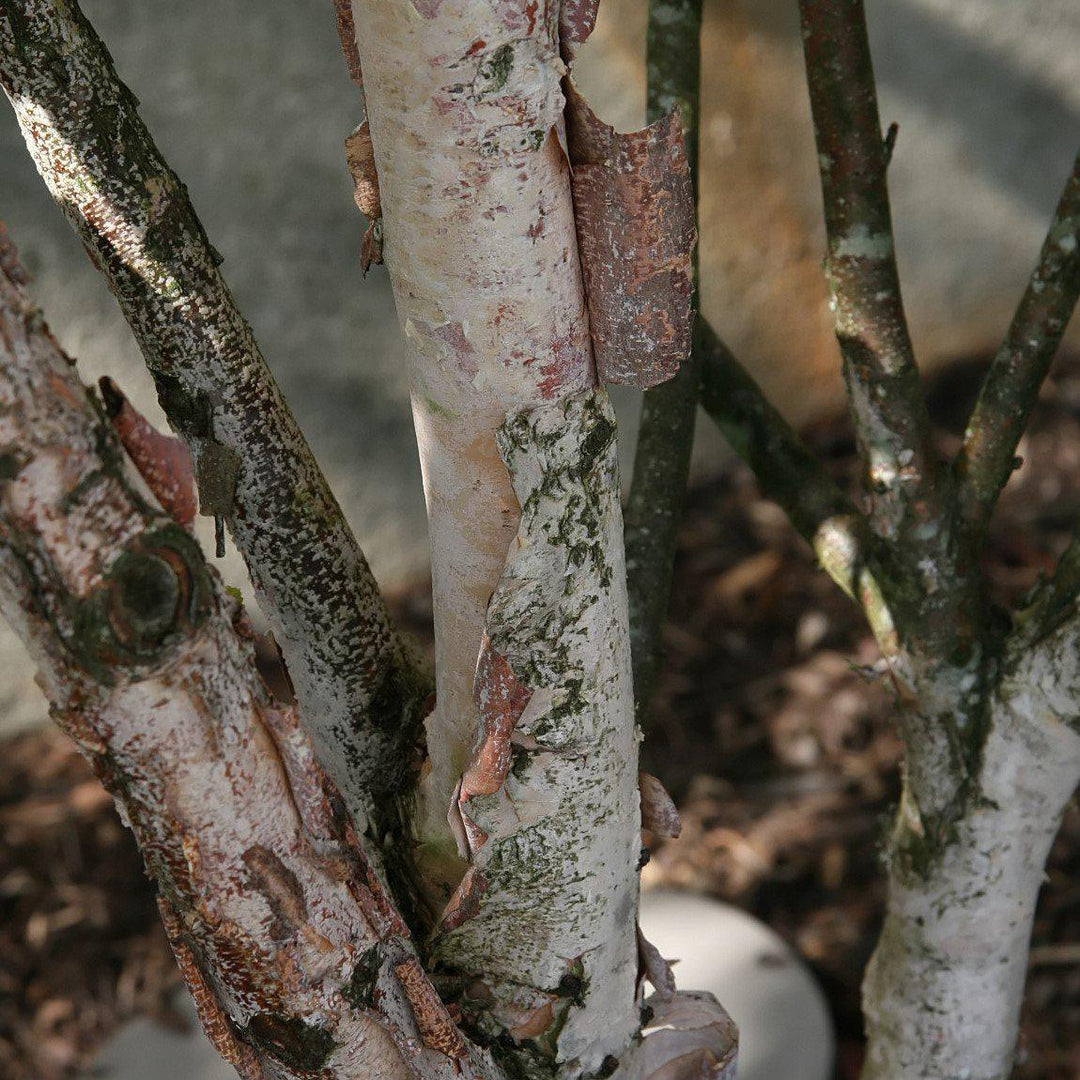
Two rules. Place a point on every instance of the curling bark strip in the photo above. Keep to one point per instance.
(551, 951)
(634, 206)
(163, 461)
(83, 130)
(285, 936)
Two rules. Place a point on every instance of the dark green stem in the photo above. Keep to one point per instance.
(987, 457)
(662, 458)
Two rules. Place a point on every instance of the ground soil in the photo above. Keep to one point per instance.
(772, 727)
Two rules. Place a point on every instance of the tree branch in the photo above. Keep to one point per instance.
(665, 440)
(295, 956)
(1011, 388)
(889, 412)
(790, 475)
(786, 470)
(255, 469)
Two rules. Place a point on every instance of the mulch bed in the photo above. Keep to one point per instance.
(772, 728)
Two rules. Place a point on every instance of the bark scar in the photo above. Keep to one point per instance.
(163, 461)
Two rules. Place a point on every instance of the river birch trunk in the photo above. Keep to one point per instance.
(532, 752)
(943, 993)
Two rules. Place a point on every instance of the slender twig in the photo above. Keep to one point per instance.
(1011, 388)
(789, 474)
(786, 470)
(255, 469)
(662, 458)
(888, 408)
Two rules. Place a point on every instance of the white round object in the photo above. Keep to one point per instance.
(785, 1029)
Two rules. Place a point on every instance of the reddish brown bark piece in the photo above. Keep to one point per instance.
(219, 1029)
(360, 155)
(577, 18)
(437, 1029)
(163, 462)
(500, 699)
(347, 33)
(634, 204)
(465, 903)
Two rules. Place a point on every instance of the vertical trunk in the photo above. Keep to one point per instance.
(533, 749)
(463, 101)
(943, 992)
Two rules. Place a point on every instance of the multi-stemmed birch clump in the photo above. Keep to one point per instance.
(365, 875)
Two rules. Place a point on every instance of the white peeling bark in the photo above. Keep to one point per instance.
(943, 992)
(551, 950)
(463, 102)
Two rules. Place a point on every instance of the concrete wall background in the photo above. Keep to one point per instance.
(249, 100)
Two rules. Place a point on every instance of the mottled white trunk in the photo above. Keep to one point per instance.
(534, 751)
(553, 831)
(943, 992)
(463, 102)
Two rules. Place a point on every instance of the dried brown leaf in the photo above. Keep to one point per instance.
(658, 812)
